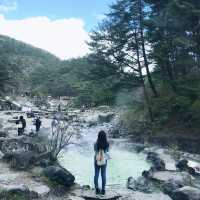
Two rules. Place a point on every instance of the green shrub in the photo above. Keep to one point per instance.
(180, 104)
(196, 106)
(195, 109)
(94, 97)
(161, 108)
(103, 96)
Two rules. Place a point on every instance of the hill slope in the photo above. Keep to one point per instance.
(20, 60)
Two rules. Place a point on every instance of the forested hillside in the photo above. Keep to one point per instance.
(25, 68)
(17, 61)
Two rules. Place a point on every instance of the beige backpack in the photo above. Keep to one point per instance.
(101, 157)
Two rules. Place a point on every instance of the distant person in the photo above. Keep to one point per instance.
(54, 124)
(21, 122)
(101, 148)
(83, 108)
(37, 124)
(59, 108)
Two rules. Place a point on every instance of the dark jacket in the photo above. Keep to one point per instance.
(38, 122)
(23, 122)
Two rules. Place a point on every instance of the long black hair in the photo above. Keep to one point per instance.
(102, 142)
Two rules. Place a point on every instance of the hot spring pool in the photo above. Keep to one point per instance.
(124, 163)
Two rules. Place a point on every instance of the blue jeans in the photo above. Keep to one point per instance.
(103, 175)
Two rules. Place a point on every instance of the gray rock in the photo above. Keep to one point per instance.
(92, 123)
(141, 184)
(22, 144)
(106, 117)
(139, 147)
(144, 196)
(40, 190)
(164, 176)
(171, 185)
(147, 174)
(45, 163)
(22, 160)
(158, 163)
(19, 191)
(114, 133)
(103, 108)
(59, 175)
(152, 156)
(90, 195)
(23, 191)
(186, 193)
(191, 171)
(1, 155)
(182, 164)
(72, 197)
(3, 134)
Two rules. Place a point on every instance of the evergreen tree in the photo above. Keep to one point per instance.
(173, 29)
(4, 76)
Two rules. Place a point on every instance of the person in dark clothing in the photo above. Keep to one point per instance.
(21, 125)
(37, 124)
(101, 148)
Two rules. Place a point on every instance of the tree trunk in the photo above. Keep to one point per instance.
(146, 64)
(170, 76)
(142, 81)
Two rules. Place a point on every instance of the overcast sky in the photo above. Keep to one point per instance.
(58, 26)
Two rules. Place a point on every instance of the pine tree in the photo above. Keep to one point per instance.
(4, 76)
(121, 42)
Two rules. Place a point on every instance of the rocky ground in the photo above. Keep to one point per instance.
(27, 174)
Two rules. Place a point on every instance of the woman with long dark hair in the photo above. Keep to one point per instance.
(101, 148)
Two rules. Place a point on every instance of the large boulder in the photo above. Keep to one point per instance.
(186, 193)
(60, 175)
(106, 118)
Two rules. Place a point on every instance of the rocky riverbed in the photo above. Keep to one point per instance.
(165, 174)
